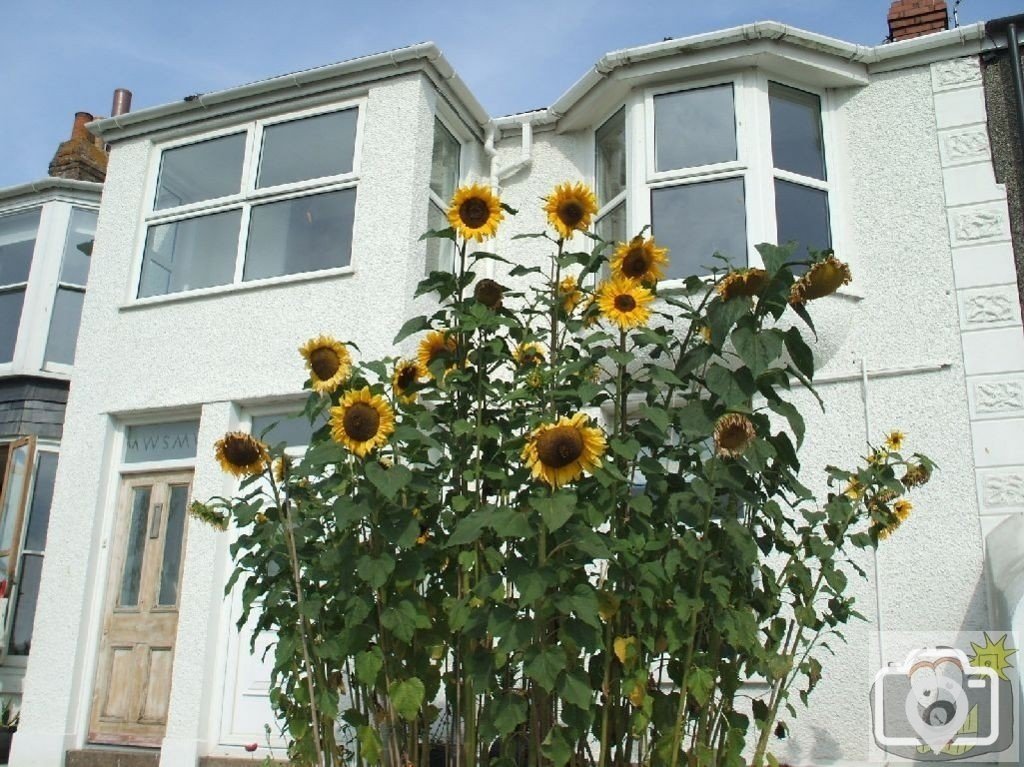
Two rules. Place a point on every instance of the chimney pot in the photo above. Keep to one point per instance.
(122, 102)
(78, 130)
(913, 18)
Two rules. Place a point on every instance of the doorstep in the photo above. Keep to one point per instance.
(112, 757)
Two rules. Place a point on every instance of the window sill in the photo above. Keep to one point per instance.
(239, 287)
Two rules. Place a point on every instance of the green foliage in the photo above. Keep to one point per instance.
(435, 595)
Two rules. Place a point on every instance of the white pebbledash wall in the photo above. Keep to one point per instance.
(922, 225)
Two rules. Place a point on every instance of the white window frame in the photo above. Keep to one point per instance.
(622, 198)
(754, 162)
(432, 198)
(248, 196)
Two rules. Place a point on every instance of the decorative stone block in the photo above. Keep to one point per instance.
(982, 307)
(978, 223)
(964, 145)
(955, 73)
(999, 396)
(1003, 489)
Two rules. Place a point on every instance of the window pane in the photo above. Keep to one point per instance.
(25, 608)
(610, 159)
(42, 496)
(309, 148)
(696, 221)
(444, 168)
(161, 441)
(17, 241)
(802, 215)
(293, 430)
(440, 252)
(796, 131)
(195, 253)
(300, 235)
(74, 267)
(10, 316)
(696, 127)
(16, 478)
(169, 569)
(202, 171)
(67, 313)
(612, 227)
(136, 547)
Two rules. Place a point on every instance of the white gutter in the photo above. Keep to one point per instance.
(179, 112)
(50, 184)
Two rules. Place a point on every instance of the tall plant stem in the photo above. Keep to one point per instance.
(555, 304)
(304, 631)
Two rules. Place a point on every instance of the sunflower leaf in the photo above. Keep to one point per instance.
(415, 325)
(556, 510)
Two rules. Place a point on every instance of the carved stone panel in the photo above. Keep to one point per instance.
(963, 146)
(999, 396)
(989, 306)
(1003, 489)
(956, 73)
(978, 224)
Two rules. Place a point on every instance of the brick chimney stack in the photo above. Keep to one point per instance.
(81, 157)
(913, 18)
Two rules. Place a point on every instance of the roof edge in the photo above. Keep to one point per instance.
(51, 184)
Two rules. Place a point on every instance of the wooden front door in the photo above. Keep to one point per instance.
(133, 677)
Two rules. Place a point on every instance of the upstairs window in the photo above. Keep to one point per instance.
(17, 244)
(273, 199)
(71, 281)
(723, 164)
(445, 172)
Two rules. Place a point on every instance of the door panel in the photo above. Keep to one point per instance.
(133, 679)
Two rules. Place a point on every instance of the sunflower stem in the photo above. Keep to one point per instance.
(553, 354)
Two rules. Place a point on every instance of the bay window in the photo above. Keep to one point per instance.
(714, 167)
(445, 171)
(17, 244)
(273, 198)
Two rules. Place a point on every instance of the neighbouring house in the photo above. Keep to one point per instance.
(234, 225)
(46, 242)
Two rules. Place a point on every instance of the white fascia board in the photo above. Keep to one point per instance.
(358, 72)
(51, 188)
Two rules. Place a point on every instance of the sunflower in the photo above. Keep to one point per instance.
(241, 454)
(436, 345)
(281, 467)
(570, 208)
(640, 260)
(894, 441)
(878, 457)
(475, 212)
(854, 489)
(558, 453)
(569, 292)
(822, 279)
(902, 509)
(328, 362)
(362, 421)
(407, 373)
(917, 474)
(733, 434)
(529, 353)
(489, 293)
(624, 302)
(742, 282)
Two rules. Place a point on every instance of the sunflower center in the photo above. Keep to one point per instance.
(324, 362)
(571, 213)
(634, 264)
(474, 212)
(559, 447)
(488, 293)
(733, 437)
(361, 422)
(241, 451)
(406, 377)
(625, 302)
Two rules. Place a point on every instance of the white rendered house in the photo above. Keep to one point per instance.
(237, 224)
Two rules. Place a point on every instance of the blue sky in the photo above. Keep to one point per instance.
(61, 56)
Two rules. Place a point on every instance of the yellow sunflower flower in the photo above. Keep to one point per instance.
(641, 260)
(362, 421)
(894, 441)
(822, 279)
(475, 212)
(733, 434)
(902, 509)
(624, 302)
(529, 353)
(435, 346)
(854, 489)
(328, 362)
(407, 373)
(570, 208)
(917, 474)
(742, 282)
(559, 453)
(241, 454)
(569, 292)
